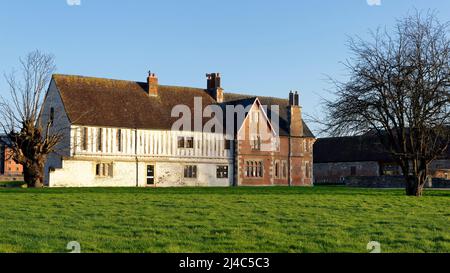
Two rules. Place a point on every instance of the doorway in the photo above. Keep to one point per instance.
(150, 175)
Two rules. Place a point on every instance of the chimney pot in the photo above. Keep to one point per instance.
(213, 86)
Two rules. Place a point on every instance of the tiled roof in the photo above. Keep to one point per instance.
(362, 148)
(118, 103)
(350, 149)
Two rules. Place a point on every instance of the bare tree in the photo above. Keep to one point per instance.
(398, 89)
(30, 140)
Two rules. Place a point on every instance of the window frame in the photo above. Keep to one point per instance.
(227, 144)
(99, 139)
(180, 142)
(104, 170)
(84, 138)
(254, 169)
(189, 142)
(222, 171)
(119, 145)
(190, 172)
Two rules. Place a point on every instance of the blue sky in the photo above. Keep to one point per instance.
(260, 47)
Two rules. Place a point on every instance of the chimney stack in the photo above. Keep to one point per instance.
(152, 81)
(213, 87)
(291, 98)
(295, 115)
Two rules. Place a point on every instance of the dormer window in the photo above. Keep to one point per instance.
(189, 142)
(186, 142)
(180, 142)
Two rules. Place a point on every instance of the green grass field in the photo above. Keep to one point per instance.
(320, 219)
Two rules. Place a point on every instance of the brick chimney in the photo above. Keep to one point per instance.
(213, 87)
(152, 81)
(295, 115)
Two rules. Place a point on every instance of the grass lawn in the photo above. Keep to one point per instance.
(279, 219)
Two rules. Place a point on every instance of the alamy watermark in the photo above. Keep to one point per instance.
(374, 247)
(230, 121)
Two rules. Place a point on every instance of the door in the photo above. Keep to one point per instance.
(150, 174)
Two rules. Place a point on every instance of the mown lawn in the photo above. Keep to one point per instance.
(320, 219)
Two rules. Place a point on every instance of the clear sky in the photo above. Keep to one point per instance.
(260, 47)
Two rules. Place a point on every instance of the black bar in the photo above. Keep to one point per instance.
(224, 262)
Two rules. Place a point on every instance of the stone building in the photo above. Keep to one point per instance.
(121, 133)
(336, 159)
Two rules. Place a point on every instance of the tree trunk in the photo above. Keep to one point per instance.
(34, 175)
(414, 185)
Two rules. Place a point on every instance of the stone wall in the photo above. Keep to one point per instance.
(336, 172)
(389, 182)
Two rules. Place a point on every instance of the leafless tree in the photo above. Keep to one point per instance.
(30, 140)
(398, 89)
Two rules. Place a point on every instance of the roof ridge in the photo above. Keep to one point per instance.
(91, 77)
(124, 81)
(247, 96)
(254, 96)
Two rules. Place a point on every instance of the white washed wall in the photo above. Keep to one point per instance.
(61, 124)
(81, 173)
(154, 147)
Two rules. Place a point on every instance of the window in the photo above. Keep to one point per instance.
(256, 143)
(119, 140)
(186, 142)
(307, 170)
(99, 139)
(180, 142)
(259, 169)
(104, 170)
(189, 142)
(254, 169)
(52, 115)
(277, 169)
(284, 168)
(227, 144)
(84, 138)
(352, 170)
(190, 171)
(222, 171)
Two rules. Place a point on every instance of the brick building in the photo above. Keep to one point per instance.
(121, 133)
(8, 167)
